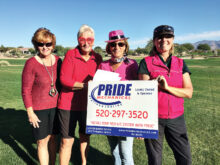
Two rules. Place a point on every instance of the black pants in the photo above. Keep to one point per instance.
(176, 136)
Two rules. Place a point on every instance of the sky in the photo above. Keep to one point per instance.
(193, 20)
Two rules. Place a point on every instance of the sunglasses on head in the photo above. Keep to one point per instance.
(49, 44)
(83, 40)
(114, 44)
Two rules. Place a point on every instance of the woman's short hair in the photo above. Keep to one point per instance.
(126, 49)
(85, 28)
(42, 35)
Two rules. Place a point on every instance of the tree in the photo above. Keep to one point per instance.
(189, 47)
(141, 51)
(3, 49)
(138, 50)
(99, 50)
(149, 46)
(32, 51)
(218, 52)
(203, 47)
(15, 52)
(179, 49)
(131, 52)
(60, 50)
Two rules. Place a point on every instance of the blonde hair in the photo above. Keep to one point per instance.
(126, 49)
(42, 35)
(85, 28)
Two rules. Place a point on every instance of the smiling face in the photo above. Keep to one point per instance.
(164, 43)
(86, 41)
(45, 48)
(117, 48)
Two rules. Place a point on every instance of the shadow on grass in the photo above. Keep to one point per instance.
(95, 157)
(16, 132)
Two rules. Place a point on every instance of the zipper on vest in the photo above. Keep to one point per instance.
(168, 106)
(169, 97)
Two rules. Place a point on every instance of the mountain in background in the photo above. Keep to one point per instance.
(213, 44)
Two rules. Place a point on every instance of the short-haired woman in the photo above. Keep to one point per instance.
(78, 67)
(40, 94)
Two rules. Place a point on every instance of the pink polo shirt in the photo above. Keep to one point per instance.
(127, 70)
(75, 69)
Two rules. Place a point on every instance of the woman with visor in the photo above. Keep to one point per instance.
(174, 81)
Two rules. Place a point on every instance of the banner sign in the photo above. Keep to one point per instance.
(123, 108)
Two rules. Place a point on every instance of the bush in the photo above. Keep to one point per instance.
(4, 63)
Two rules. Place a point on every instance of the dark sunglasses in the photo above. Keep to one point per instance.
(114, 44)
(165, 36)
(49, 44)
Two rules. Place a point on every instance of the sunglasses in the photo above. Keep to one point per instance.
(165, 36)
(114, 44)
(49, 44)
(83, 40)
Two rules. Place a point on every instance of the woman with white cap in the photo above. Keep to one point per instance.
(117, 46)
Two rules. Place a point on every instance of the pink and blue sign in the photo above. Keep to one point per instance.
(123, 108)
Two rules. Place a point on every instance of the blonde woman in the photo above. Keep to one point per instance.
(174, 81)
(40, 94)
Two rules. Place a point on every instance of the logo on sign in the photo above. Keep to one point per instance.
(109, 95)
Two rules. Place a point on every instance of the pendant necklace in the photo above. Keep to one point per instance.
(53, 91)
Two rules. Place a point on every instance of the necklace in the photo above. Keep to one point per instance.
(117, 60)
(53, 91)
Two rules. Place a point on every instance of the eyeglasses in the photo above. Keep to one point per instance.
(114, 44)
(83, 40)
(49, 44)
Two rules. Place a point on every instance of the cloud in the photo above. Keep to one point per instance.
(198, 36)
(139, 43)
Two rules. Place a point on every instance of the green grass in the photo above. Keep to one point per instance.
(202, 117)
(15, 61)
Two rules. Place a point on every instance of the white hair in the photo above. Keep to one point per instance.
(85, 28)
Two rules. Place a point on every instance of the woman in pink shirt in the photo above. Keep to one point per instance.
(117, 46)
(39, 92)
